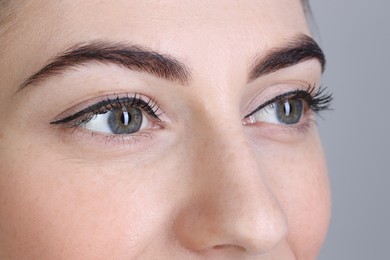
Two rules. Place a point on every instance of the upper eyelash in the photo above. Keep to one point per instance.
(85, 115)
(317, 100)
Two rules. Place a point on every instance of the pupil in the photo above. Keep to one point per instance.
(125, 118)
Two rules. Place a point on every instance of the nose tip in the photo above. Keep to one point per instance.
(246, 228)
(231, 208)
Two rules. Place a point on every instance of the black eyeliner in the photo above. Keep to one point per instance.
(317, 101)
(107, 105)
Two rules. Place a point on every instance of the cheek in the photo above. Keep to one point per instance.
(60, 209)
(303, 191)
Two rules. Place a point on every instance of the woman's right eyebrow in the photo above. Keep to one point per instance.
(132, 57)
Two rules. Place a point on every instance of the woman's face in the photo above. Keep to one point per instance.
(160, 130)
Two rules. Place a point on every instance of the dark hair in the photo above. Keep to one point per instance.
(306, 7)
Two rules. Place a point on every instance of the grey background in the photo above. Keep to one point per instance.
(355, 35)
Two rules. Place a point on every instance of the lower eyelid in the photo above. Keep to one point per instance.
(102, 143)
(306, 113)
(72, 132)
(282, 133)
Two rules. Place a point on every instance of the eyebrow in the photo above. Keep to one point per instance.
(137, 58)
(299, 49)
(132, 57)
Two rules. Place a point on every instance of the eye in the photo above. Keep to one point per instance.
(119, 121)
(118, 116)
(287, 112)
(290, 107)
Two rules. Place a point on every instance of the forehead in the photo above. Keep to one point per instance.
(93, 18)
(192, 30)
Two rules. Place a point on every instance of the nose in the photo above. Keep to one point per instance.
(230, 206)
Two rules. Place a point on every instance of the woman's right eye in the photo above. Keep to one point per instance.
(118, 116)
(118, 121)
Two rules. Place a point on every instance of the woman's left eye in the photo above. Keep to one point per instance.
(290, 107)
(287, 112)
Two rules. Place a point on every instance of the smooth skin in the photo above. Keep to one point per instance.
(200, 184)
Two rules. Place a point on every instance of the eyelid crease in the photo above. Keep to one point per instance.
(317, 100)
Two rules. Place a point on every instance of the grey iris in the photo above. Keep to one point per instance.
(289, 112)
(125, 121)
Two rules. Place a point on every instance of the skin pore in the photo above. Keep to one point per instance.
(206, 176)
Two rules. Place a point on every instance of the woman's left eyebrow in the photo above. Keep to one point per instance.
(300, 48)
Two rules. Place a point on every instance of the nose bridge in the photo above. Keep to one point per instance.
(224, 152)
(231, 205)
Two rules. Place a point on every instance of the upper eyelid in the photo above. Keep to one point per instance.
(109, 103)
(318, 99)
(281, 97)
